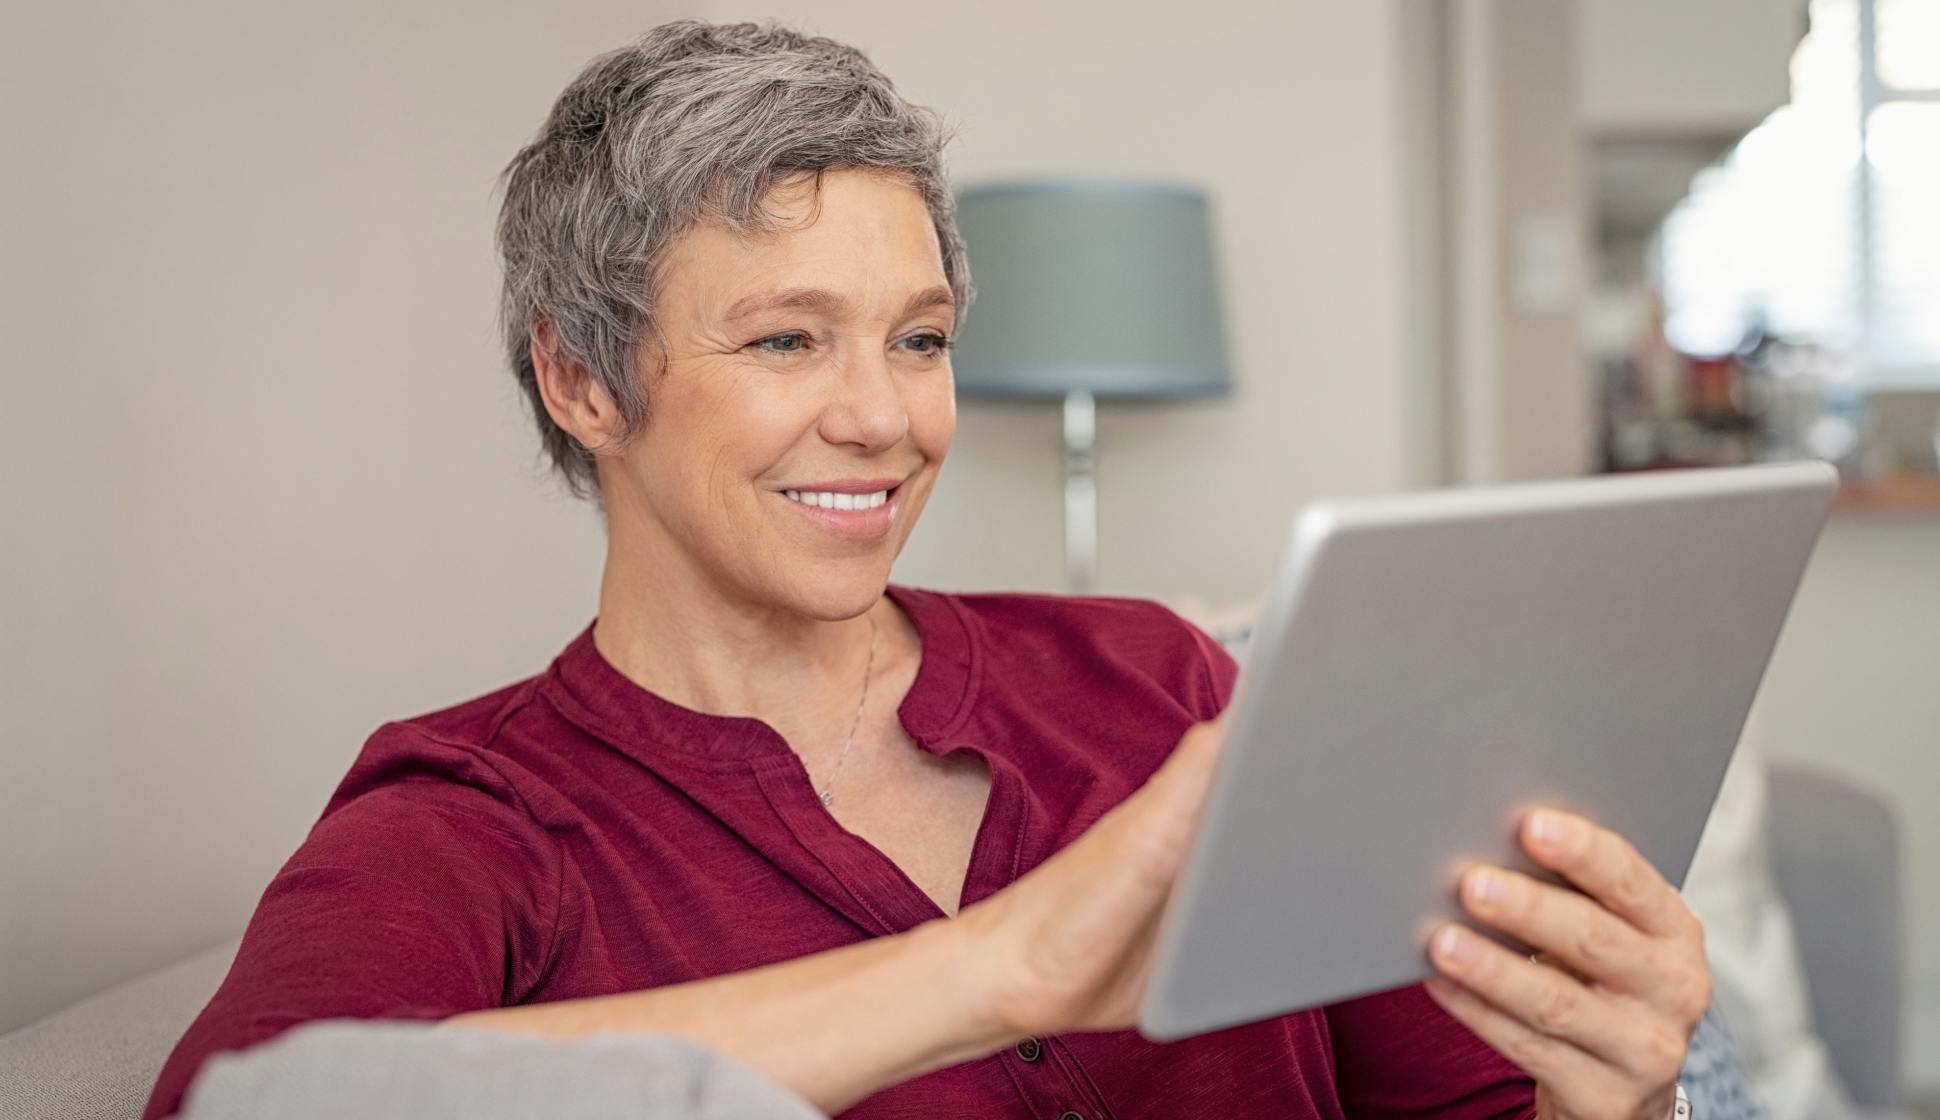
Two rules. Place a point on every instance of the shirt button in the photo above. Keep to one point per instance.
(1031, 1050)
(1069, 1115)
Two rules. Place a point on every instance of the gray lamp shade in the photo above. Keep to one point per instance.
(1087, 284)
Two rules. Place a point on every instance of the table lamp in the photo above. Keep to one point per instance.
(1089, 289)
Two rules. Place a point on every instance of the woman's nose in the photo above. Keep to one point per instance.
(868, 409)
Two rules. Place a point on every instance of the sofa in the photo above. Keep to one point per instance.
(1836, 856)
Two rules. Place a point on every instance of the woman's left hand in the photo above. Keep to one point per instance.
(1602, 1017)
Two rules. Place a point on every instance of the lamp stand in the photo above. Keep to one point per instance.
(1080, 490)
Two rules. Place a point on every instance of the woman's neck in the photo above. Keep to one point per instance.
(679, 635)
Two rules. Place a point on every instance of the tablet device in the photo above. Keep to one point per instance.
(1426, 669)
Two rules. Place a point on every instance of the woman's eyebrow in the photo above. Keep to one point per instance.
(939, 296)
(794, 299)
(823, 301)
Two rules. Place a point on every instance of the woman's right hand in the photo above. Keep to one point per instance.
(1069, 946)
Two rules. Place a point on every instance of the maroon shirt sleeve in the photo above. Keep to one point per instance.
(426, 889)
(1397, 1053)
(1209, 698)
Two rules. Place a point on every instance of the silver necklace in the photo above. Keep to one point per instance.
(827, 792)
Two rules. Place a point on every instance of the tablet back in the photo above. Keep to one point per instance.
(1428, 667)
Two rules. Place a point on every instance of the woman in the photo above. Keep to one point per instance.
(902, 851)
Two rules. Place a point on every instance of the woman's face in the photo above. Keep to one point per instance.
(800, 400)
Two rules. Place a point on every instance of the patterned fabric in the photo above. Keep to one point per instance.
(1713, 1077)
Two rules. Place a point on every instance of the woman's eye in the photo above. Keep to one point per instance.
(783, 343)
(929, 342)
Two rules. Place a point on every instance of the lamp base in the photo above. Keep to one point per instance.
(1081, 491)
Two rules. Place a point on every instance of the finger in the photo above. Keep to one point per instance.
(1552, 1003)
(1582, 936)
(1192, 760)
(1608, 868)
(1548, 1059)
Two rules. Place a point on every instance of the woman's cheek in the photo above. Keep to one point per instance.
(935, 423)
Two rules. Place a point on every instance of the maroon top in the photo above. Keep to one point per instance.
(575, 835)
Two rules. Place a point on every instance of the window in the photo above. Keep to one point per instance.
(1795, 233)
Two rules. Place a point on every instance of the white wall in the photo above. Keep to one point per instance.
(266, 483)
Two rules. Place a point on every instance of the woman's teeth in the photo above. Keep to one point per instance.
(827, 500)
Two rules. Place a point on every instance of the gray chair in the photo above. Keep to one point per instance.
(1836, 849)
(1837, 860)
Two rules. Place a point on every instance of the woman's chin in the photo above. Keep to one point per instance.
(831, 591)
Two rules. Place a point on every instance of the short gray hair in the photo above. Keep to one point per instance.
(693, 122)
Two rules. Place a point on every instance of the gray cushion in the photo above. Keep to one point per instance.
(98, 1059)
(412, 1071)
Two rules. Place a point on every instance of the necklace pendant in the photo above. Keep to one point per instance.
(826, 796)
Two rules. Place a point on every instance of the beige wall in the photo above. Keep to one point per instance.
(1658, 67)
(1519, 402)
(1547, 406)
(266, 484)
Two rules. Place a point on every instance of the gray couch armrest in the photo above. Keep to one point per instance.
(413, 1071)
(98, 1059)
(1836, 856)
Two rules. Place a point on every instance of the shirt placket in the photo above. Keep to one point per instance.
(876, 894)
(1053, 1085)
(872, 890)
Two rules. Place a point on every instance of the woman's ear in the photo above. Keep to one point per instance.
(574, 398)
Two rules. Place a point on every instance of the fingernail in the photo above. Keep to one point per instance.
(1549, 828)
(1453, 945)
(1484, 886)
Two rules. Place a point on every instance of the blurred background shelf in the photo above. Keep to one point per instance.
(1891, 495)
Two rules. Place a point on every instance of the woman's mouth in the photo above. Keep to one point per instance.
(832, 499)
(858, 511)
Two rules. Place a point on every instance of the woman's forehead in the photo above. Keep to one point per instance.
(860, 238)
